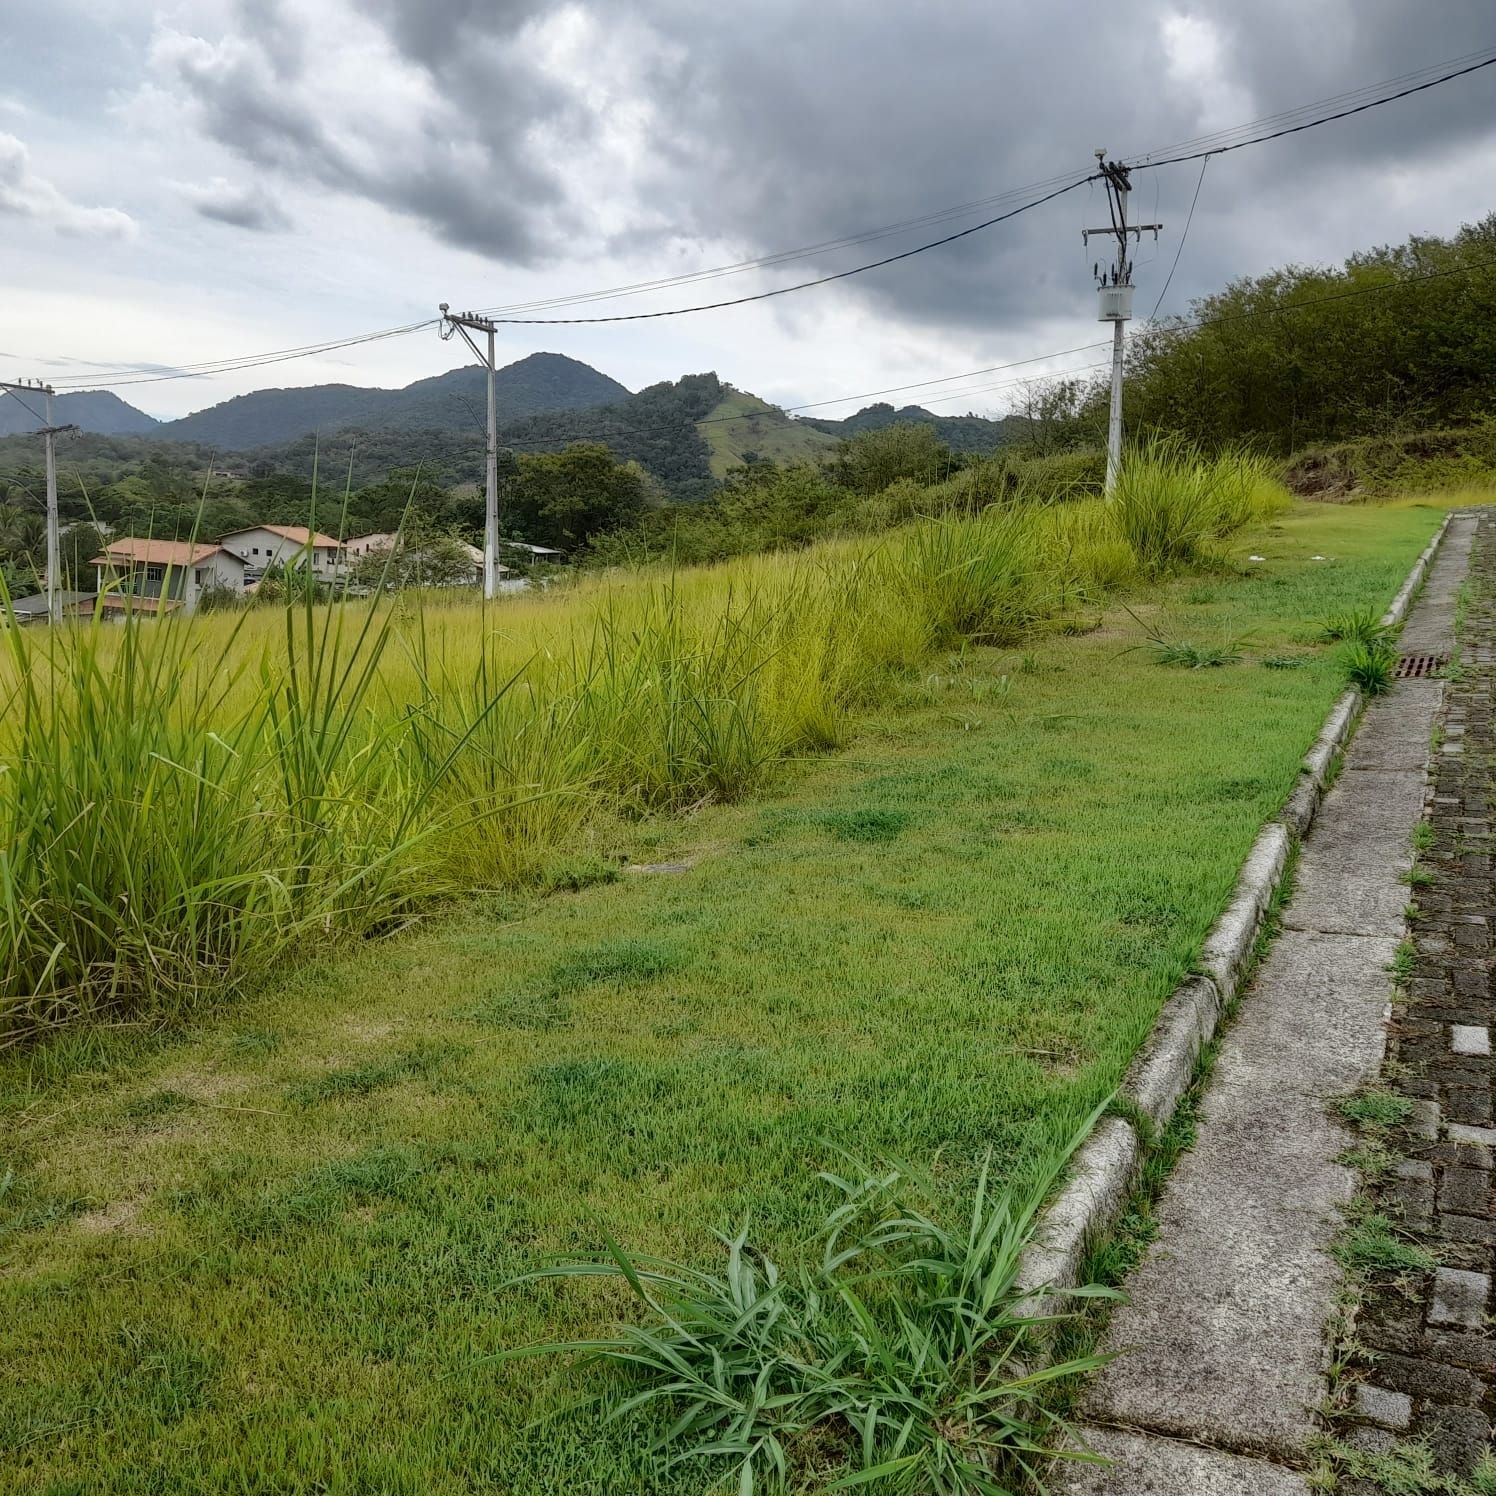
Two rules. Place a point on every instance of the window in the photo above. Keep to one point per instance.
(257, 550)
(155, 573)
(197, 576)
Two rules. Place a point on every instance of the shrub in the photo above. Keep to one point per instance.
(975, 579)
(1357, 626)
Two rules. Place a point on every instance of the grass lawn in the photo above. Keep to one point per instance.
(264, 1255)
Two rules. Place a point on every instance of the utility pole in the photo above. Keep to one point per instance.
(461, 322)
(51, 433)
(1114, 283)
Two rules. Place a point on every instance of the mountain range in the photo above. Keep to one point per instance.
(688, 433)
(99, 411)
(454, 401)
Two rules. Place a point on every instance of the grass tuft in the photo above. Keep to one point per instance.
(901, 1352)
(1370, 667)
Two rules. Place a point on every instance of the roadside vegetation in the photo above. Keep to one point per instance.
(185, 802)
(275, 1245)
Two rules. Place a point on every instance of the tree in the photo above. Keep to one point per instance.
(1397, 339)
(564, 498)
(871, 460)
(435, 560)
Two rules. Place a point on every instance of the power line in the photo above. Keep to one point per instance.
(1362, 91)
(780, 257)
(34, 411)
(946, 378)
(1401, 283)
(140, 375)
(713, 306)
(1182, 325)
(784, 256)
(1221, 150)
(1218, 145)
(1169, 281)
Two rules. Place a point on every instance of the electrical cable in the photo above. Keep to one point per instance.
(1220, 150)
(1223, 144)
(713, 306)
(785, 256)
(25, 406)
(140, 374)
(1169, 281)
(1200, 142)
(1181, 325)
(1293, 306)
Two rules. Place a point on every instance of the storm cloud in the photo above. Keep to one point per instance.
(241, 207)
(528, 132)
(391, 154)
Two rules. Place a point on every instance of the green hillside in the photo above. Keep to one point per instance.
(451, 402)
(743, 428)
(969, 433)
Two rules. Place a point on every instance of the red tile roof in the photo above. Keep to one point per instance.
(156, 553)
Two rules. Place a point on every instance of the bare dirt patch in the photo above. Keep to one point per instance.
(118, 1218)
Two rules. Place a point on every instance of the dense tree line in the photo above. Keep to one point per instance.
(1398, 339)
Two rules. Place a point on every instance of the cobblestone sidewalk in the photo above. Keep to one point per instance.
(1432, 1371)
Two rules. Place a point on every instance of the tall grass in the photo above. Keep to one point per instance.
(185, 800)
(1173, 506)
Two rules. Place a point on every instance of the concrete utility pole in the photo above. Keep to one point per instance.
(461, 322)
(51, 433)
(1114, 282)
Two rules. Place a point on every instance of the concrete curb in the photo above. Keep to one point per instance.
(1228, 948)
(1404, 599)
(1101, 1174)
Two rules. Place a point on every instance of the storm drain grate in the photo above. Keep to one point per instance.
(1420, 667)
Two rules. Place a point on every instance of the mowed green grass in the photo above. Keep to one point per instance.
(267, 1255)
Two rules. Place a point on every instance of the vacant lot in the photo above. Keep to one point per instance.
(264, 1256)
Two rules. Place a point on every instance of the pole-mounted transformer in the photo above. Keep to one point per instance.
(1114, 294)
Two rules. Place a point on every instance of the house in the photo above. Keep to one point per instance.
(175, 572)
(34, 609)
(364, 545)
(285, 545)
(539, 553)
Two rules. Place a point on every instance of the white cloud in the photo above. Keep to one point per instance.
(24, 194)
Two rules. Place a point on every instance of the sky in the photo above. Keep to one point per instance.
(205, 179)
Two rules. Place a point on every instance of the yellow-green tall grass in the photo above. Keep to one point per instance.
(185, 800)
(1172, 506)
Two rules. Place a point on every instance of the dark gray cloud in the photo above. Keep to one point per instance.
(809, 121)
(241, 207)
(784, 123)
(456, 154)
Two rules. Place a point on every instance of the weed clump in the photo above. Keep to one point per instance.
(1371, 667)
(901, 1352)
